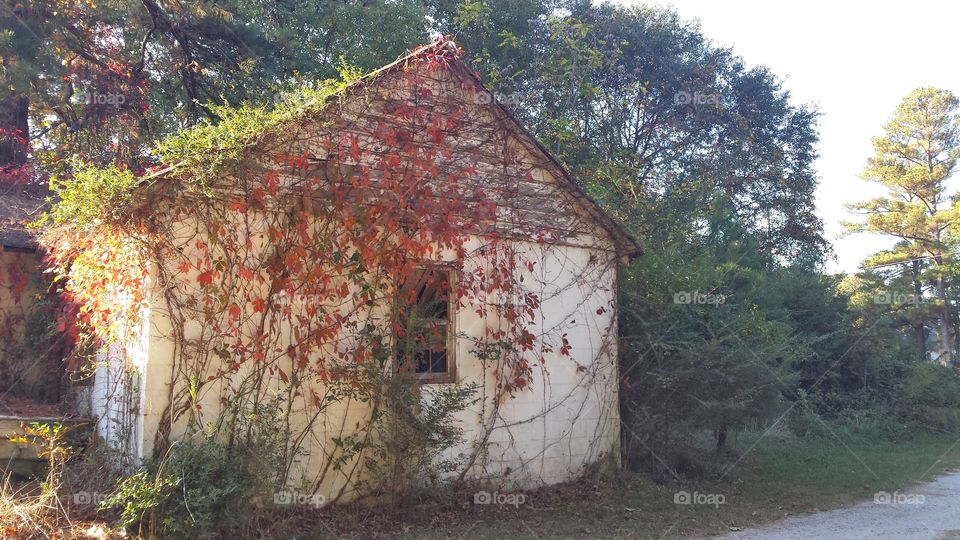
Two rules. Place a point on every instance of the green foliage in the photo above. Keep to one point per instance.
(414, 426)
(202, 152)
(658, 123)
(929, 399)
(138, 495)
(199, 487)
(913, 161)
(704, 351)
(92, 196)
(502, 36)
(169, 63)
(205, 485)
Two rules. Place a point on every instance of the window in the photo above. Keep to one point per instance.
(425, 342)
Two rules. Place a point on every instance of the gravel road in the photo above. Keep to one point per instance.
(925, 511)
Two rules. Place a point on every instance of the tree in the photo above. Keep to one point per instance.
(656, 121)
(703, 350)
(501, 35)
(913, 160)
(108, 79)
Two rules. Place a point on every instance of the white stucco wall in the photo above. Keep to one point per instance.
(565, 421)
(569, 417)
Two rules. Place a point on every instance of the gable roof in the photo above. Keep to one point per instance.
(20, 205)
(625, 243)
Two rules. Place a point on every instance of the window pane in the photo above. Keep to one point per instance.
(438, 361)
(422, 358)
(430, 361)
(430, 298)
(425, 312)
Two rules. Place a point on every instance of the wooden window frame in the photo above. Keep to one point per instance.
(449, 376)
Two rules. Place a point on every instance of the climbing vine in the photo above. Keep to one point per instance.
(265, 256)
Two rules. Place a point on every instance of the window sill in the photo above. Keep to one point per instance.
(436, 378)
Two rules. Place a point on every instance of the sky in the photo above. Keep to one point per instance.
(854, 61)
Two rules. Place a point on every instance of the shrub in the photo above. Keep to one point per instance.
(405, 446)
(929, 399)
(200, 487)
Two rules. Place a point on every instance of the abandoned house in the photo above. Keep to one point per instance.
(274, 251)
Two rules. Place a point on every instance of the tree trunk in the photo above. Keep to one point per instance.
(946, 339)
(14, 125)
(919, 328)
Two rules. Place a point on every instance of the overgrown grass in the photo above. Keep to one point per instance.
(775, 478)
(769, 478)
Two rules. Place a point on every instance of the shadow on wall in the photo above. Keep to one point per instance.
(33, 378)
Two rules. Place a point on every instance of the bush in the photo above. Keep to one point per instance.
(929, 399)
(872, 424)
(414, 428)
(199, 487)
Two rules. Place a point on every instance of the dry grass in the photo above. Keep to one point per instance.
(62, 503)
(27, 510)
(32, 510)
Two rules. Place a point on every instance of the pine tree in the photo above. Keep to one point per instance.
(913, 160)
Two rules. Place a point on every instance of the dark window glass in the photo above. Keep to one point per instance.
(425, 317)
